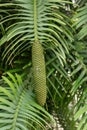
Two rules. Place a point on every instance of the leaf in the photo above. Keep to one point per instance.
(18, 110)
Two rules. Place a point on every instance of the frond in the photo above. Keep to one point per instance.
(81, 20)
(30, 19)
(67, 89)
(80, 2)
(18, 109)
(79, 67)
(59, 85)
(78, 91)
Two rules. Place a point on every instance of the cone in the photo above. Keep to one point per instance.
(39, 73)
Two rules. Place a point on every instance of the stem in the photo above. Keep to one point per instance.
(35, 20)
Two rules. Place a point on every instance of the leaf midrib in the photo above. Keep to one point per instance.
(35, 20)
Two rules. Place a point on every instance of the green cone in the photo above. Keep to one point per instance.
(39, 73)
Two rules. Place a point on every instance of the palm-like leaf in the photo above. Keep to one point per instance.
(81, 20)
(34, 20)
(18, 109)
(80, 68)
(60, 97)
(80, 2)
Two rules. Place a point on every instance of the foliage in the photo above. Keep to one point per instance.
(18, 109)
(61, 28)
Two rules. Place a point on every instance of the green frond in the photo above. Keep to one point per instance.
(42, 19)
(81, 20)
(78, 90)
(59, 85)
(18, 110)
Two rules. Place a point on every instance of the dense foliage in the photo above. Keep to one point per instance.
(52, 77)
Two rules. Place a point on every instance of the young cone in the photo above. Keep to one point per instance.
(39, 73)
